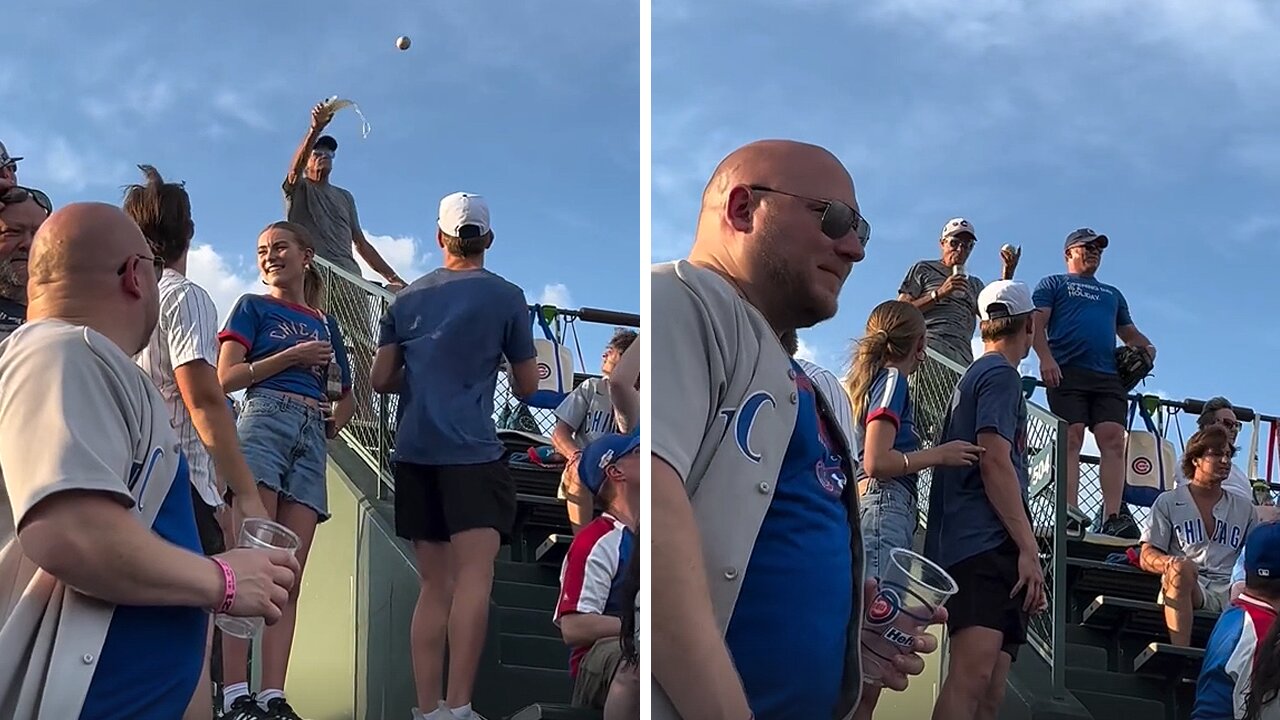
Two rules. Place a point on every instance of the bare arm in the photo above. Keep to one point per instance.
(343, 411)
(94, 544)
(1040, 341)
(203, 396)
(319, 119)
(690, 660)
(1132, 336)
(880, 460)
(1000, 481)
(922, 303)
(1153, 560)
(388, 369)
(524, 378)
(583, 629)
(371, 256)
(563, 441)
(235, 374)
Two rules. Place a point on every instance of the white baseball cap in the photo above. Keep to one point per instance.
(461, 209)
(958, 226)
(1004, 299)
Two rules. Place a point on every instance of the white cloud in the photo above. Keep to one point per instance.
(556, 294)
(238, 106)
(805, 351)
(401, 253)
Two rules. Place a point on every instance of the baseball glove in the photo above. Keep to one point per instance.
(1133, 365)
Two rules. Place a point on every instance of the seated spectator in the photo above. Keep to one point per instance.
(594, 571)
(1240, 675)
(1218, 411)
(1194, 560)
(585, 415)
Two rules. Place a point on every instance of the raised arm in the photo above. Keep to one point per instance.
(624, 388)
(319, 120)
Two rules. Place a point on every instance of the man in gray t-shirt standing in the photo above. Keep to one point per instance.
(947, 294)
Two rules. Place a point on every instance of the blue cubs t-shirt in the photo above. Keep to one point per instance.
(962, 521)
(453, 328)
(889, 399)
(152, 657)
(266, 326)
(800, 570)
(1083, 322)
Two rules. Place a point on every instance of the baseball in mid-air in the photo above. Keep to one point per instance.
(402, 42)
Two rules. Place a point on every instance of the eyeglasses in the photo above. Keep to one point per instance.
(19, 194)
(156, 261)
(959, 242)
(837, 217)
(323, 153)
(1091, 247)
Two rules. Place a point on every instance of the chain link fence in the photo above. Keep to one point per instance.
(933, 386)
(358, 305)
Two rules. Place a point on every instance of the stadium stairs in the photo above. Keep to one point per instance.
(524, 667)
(1119, 663)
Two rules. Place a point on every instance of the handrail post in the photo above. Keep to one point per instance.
(1060, 590)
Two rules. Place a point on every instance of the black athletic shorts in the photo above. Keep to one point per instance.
(1089, 398)
(985, 581)
(435, 502)
(211, 538)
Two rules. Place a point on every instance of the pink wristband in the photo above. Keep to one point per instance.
(229, 586)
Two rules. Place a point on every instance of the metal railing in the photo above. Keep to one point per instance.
(358, 305)
(932, 387)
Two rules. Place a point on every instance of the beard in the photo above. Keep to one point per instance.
(789, 286)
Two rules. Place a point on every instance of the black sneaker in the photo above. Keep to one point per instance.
(279, 709)
(1121, 526)
(245, 707)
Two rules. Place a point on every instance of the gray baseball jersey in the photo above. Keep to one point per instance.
(588, 410)
(725, 403)
(1177, 528)
(103, 427)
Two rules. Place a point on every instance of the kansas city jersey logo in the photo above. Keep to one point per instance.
(741, 420)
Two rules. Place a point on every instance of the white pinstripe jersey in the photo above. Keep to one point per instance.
(187, 331)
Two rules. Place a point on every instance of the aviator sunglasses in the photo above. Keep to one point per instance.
(19, 194)
(837, 217)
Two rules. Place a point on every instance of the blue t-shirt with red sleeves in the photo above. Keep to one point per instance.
(265, 326)
(889, 398)
(800, 570)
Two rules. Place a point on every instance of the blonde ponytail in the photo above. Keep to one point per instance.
(893, 332)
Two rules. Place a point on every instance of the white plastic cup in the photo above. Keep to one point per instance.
(265, 535)
(911, 591)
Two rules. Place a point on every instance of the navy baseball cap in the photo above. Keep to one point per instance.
(1084, 236)
(600, 454)
(326, 142)
(1262, 551)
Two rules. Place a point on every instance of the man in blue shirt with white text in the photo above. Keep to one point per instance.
(1079, 319)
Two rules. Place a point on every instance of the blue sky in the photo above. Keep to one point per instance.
(534, 105)
(1150, 120)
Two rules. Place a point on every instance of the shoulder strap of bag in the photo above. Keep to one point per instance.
(539, 319)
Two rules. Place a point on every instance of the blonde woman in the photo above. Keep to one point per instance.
(885, 441)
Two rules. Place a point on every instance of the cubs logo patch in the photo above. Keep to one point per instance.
(884, 607)
(544, 371)
(1141, 465)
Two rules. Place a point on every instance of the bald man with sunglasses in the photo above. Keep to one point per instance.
(749, 462)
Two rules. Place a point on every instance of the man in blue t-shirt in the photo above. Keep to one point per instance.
(979, 526)
(440, 346)
(1079, 319)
